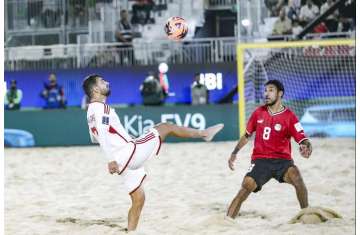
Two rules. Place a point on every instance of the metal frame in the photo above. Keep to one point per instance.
(242, 47)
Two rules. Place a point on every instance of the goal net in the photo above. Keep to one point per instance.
(319, 81)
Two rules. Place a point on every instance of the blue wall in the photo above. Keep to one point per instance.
(125, 83)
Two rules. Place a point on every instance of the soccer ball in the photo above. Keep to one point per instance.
(176, 28)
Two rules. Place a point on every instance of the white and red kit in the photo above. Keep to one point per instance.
(130, 154)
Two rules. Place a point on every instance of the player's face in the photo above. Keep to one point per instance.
(103, 87)
(271, 95)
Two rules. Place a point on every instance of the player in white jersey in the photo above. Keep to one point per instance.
(126, 156)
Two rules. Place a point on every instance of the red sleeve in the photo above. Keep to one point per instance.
(251, 125)
(296, 130)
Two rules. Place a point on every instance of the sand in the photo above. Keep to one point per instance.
(68, 191)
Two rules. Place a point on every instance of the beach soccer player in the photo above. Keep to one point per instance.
(274, 125)
(126, 156)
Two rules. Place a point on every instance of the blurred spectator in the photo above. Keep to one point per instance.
(141, 12)
(347, 16)
(34, 8)
(308, 12)
(346, 24)
(282, 25)
(292, 10)
(331, 21)
(90, 6)
(77, 13)
(13, 97)
(124, 34)
(163, 79)
(320, 28)
(50, 15)
(151, 91)
(296, 4)
(274, 6)
(296, 27)
(199, 92)
(53, 94)
(124, 31)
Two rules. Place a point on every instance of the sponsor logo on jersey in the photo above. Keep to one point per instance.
(260, 121)
(298, 127)
(277, 127)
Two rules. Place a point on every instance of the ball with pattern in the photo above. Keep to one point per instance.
(176, 28)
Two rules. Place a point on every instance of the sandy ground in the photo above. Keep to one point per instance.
(68, 191)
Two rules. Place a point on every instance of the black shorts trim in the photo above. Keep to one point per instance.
(264, 169)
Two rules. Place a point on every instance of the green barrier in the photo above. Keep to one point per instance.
(69, 127)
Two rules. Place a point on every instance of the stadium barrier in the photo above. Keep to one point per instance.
(69, 127)
(112, 55)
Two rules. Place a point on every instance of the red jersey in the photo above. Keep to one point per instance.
(273, 132)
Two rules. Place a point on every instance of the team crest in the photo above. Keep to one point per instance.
(277, 127)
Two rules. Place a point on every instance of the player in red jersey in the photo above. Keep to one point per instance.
(274, 125)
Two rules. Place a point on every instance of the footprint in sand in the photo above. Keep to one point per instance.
(253, 214)
(113, 223)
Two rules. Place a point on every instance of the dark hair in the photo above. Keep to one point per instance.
(88, 84)
(278, 84)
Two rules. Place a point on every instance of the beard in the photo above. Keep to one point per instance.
(107, 93)
(270, 102)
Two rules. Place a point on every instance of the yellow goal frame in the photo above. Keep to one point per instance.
(240, 49)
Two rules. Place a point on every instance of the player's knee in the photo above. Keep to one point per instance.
(249, 184)
(138, 198)
(139, 201)
(295, 177)
(164, 127)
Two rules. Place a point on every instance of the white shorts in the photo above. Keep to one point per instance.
(146, 146)
(133, 178)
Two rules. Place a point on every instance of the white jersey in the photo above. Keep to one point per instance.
(105, 128)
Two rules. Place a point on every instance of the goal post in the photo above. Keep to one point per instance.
(314, 72)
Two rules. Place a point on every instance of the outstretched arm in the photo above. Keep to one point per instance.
(305, 148)
(242, 142)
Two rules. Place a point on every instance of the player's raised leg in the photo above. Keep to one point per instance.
(137, 200)
(166, 129)
(293, 176)
(248, 186)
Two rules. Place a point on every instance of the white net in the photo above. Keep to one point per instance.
(319, 85)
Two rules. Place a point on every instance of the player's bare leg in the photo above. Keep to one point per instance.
(248, 186)
(138, 200)
(166, 129)
(293, 176)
